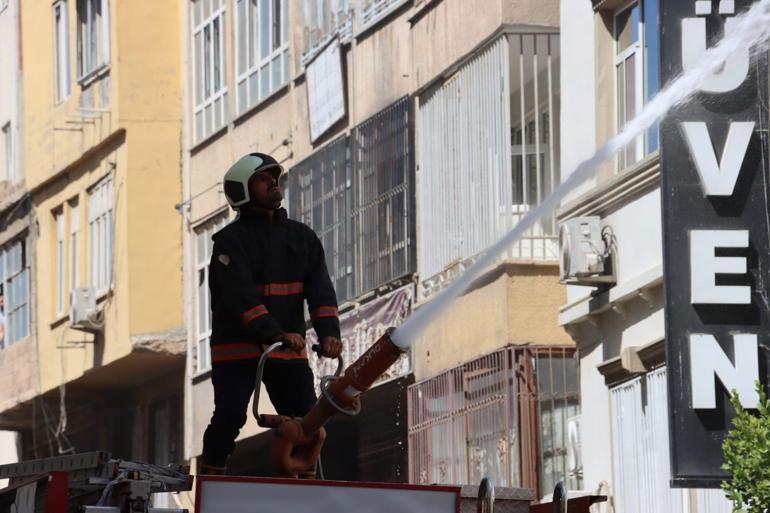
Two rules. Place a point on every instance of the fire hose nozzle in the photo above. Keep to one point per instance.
(299, 444)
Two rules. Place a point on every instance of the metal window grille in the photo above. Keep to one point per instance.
(383, 199)
(503, 415)
(319, 195)
(641, 452)
(357, 194)
(499, 114)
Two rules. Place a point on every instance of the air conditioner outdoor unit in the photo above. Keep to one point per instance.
(584, 259)
(83, 312)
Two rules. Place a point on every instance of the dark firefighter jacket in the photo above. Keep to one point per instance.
(259, 275)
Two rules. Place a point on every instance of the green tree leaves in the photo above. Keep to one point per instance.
(747, 456)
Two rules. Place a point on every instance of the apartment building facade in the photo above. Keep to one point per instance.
(101, 106)
(18, 352)
(611, 69)
(412, 140)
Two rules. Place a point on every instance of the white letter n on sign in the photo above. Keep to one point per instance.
(718, 179)
(707, 360)
(705, 265)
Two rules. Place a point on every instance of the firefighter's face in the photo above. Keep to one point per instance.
(265, 192)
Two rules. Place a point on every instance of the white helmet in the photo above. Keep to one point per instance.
(237, 178)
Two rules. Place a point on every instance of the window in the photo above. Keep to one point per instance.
(74, 243)
(7, 157)
(3, 5)
(319, 194)
(93, 36)
(357, 194)
(477, 420)
(204, 245)
(262, 49)
(637, 73)
(59, 221)
(62, 50)
(100, 235)
(323, 19)
(210, 102)
(14, 289)
(374, 10)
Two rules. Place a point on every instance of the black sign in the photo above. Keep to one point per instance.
(715, 190)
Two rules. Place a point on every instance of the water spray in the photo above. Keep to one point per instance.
(298, 441)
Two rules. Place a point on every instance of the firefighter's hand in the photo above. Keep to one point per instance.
(331, 347)
(293, 341)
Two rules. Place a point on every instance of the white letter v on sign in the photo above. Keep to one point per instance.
(718, 179)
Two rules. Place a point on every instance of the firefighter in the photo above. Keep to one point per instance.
(263, 267)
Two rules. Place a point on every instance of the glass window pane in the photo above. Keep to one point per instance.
(253, 26)
(623, 30)
(199, 126)
(277, 72)
(197, 11)
(198, 58)
(265, 81)
(253, 88)
(201, 248)
(217, 113)
(217, 56)
(276, 25)
(242, 36)
(631, 103)
(284, 22)
(286, 66)
(243, 95)
(264, 28)
(201, 298)
(209, 120)
(206, 62)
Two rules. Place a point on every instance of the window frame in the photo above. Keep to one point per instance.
(86, 69)
(59, 250)
(202, 234)
(216, 96)
(100, 235)
(255, 66)
(9, 284)
(74, 241)
(62, 51)
(635, 50)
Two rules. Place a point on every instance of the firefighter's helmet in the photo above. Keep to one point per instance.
(236, 182)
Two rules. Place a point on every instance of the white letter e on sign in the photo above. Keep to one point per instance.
(705, 265)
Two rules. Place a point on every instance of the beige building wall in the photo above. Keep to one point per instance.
(130, 131)
(123, 121)
(515, 303)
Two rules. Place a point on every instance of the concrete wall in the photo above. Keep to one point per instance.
(516, 303)
(446, 32)
(578, 86)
